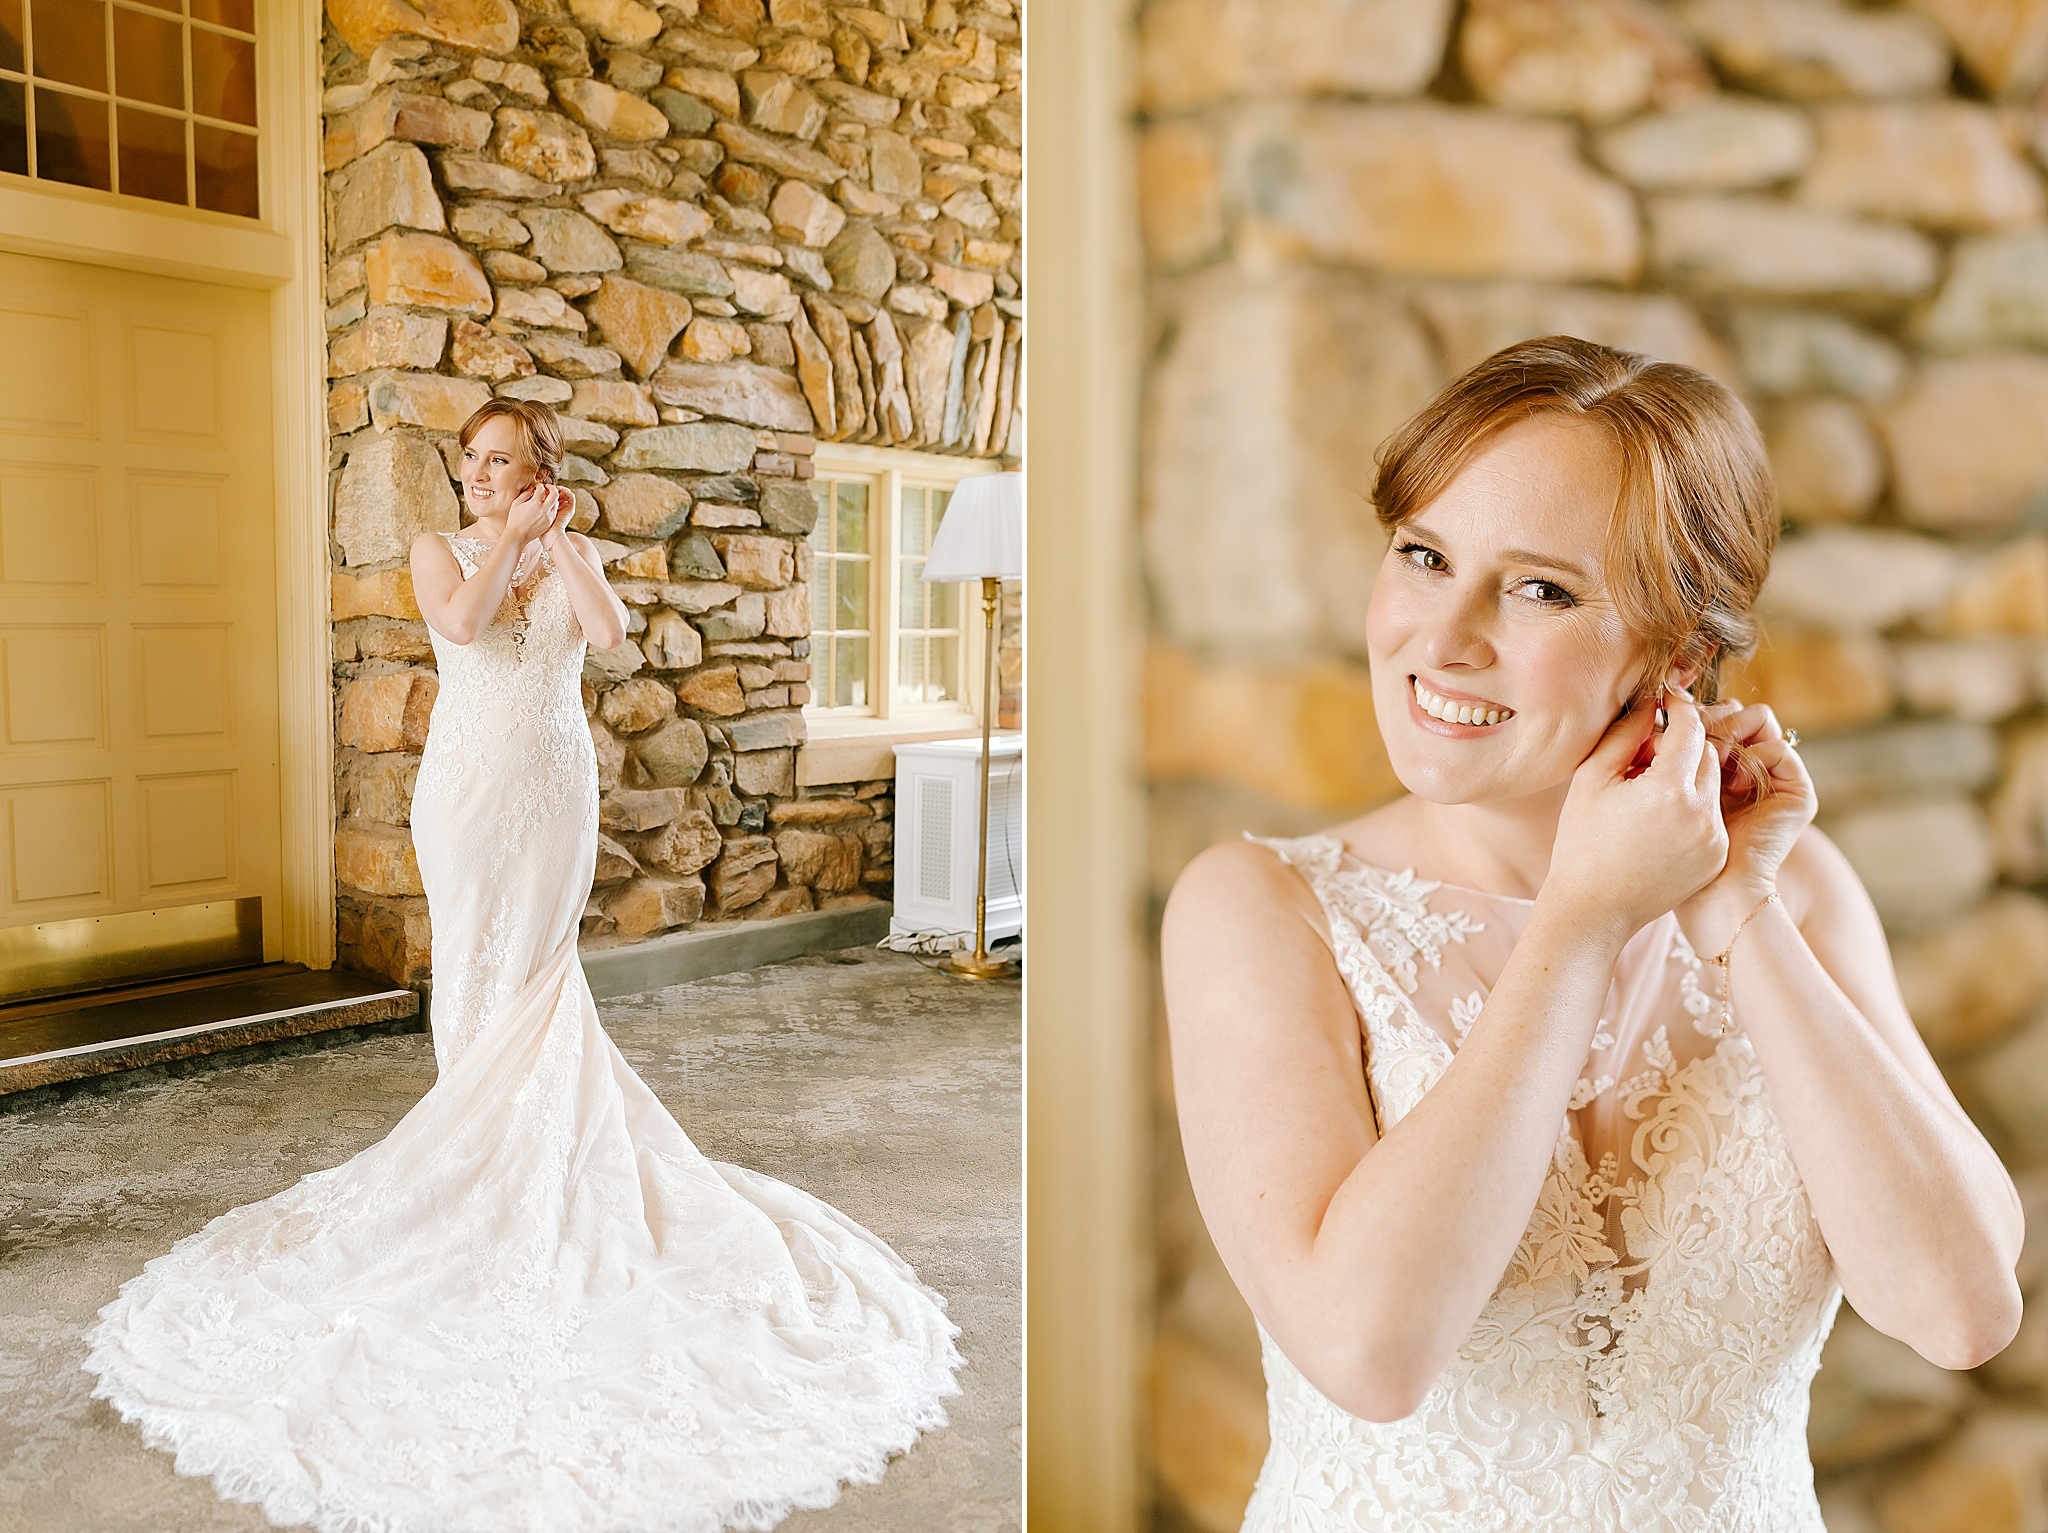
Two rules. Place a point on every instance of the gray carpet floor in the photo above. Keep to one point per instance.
(891, 1091)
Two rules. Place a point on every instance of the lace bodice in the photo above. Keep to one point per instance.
(1645, 1361)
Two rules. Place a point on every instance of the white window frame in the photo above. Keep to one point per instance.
(847, 744)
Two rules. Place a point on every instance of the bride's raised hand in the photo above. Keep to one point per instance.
(1764, 819)
(563, 507)
(1633, 844)
(533, 514)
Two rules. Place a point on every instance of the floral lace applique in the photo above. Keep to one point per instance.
(1464, 1013)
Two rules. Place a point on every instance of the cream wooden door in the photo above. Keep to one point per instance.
(138, 626)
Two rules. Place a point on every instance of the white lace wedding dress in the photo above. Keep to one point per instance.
(1643, 1366)
(534, 1307)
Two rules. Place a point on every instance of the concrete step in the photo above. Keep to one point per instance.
(47, 1041)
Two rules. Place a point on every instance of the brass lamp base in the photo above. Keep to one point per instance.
(975, 965)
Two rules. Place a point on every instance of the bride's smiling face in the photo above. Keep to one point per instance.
(1499, 659)
(497, 466)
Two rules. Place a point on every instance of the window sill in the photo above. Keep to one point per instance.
(864, 750)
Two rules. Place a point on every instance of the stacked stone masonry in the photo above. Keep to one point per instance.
(1838, 209)
(712, 234)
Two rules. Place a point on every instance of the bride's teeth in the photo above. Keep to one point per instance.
(1457, 713)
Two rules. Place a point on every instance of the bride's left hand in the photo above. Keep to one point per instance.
(1761, 830)
(562, 506)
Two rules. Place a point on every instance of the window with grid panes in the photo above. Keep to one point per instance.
(884, 645)
(143, 98)
(927, 617)
(842, 595)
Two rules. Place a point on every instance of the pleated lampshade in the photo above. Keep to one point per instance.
(982, 533)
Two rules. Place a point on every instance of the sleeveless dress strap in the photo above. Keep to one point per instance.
(1404, 1056)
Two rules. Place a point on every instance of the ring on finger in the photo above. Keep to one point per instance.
(1792, 738)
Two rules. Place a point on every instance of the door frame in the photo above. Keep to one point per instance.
(281, 255)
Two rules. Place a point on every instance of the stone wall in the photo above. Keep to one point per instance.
(711, 234)
(1837, 209)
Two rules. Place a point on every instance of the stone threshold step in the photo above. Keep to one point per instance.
(48, 1042)
(726, 947)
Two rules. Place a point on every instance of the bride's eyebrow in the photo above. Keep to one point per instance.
(1545, 561)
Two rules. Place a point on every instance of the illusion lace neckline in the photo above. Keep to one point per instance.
(1346, 849)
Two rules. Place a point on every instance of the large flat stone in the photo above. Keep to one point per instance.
(1972, 980)
(424, 399)
(393, 488)
(466, 173)
(565, 240)
(612, 112)
(1997, 292)
(1984, 679)
(1918, 756)
(1811, 50)
(626, 22)
(1825, 460)
(1858, 580)
(1756, 245)
(1969, 442)
(1921, 860)
(739, 391)
(710, 447)
(1264, 412)
(1800, 351)
(388, 338)
(1473, 322)
(544, 145)
(674, 754)
(1180, 192)
(390, 185)
(661, 220)
(1815, 681)
(639, 321)
(1195, 51)
(2003, 43)
(784, 157)
(1714, 146)
(377, 859)
(643, 505)
(1436, 190)
(1941, 164)
(388, 712)
(427, 271)
(487, 26)
(680, 271)
(1590, 59)
(1299, 734)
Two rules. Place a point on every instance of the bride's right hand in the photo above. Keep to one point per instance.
(532, 514)
(1628, 847)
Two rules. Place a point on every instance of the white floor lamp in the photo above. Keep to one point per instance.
(981, 538)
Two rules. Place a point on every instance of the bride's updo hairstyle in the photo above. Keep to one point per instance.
(1696, 520)
(538, 426)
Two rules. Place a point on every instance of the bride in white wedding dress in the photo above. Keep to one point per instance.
(1542, 1222)
(534, 1307)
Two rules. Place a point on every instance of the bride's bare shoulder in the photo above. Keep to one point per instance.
(1242, 885)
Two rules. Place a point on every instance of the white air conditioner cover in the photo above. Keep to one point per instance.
(938, 800)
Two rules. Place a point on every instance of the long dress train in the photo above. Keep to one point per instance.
(534, 1305)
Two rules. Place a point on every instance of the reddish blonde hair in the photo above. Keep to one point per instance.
(538, 425)
(1696, 520)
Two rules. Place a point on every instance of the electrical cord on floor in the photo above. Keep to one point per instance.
(937, 946)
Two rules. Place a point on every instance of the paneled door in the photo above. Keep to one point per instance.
(138, 626)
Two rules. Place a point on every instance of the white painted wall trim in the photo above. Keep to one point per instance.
(68, 223)
(288, 72)
(1086, 1003)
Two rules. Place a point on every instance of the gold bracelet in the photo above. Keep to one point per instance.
(1721, 962)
